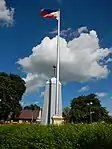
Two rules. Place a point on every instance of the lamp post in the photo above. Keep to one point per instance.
(54, 68)
(89, 104)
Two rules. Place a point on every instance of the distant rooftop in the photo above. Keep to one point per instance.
(27, 114)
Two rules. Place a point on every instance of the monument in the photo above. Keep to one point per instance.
(50, 103)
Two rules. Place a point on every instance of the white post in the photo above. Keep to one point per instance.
(58, 60)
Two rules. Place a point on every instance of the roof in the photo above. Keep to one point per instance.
(27, 114)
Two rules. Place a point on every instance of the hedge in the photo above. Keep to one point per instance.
(80, 136)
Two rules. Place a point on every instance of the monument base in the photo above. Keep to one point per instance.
(57, 119)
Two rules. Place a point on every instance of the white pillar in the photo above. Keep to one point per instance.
(50, 106)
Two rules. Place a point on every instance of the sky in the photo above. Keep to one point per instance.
(28, 47)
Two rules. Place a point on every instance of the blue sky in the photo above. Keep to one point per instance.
(25, 29)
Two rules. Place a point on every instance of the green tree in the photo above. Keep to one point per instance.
(86, 109)
(12, 87)
(67, 114)
(32, 107)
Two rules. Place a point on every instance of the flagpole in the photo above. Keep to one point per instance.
(58, 68)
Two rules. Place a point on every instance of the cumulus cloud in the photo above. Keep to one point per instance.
(83, 29)
(79, 60)
(54, 31)
(69, 33)
(63, 33)
(101, 94)
(34, 81)
(22, 103)
(84, 89)
(6, 14)
(109, 60)
(42, 94)
(36, 102)
(110, 114)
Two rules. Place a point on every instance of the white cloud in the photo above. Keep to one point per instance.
(22, 103)
(110, 114)
(6, 14)
(82, 29)
(84, 89)
(34, 81)
(63, 33)
(68, 32)
(79, 60)
(42, 94)
(36, 102)
(101, 94)
(109, 60)
(55, 31)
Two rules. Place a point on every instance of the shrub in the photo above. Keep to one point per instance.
(70, 136)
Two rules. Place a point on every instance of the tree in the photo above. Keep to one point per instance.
(67, 114)
(108, 119)
(32, 107)
(86, 109)
(12, 87)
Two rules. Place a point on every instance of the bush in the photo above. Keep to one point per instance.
(93, 136)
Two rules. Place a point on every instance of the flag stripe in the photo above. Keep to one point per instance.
(49, 16)
(47, 13)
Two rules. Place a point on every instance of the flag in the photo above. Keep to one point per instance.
(48, 13)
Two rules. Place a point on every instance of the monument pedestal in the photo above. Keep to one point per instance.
(57, 119)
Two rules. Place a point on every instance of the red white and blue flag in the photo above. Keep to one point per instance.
(48, 13)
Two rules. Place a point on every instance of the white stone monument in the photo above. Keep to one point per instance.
(50, 104)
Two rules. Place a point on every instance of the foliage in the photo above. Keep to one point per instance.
(83, 112)
(78, 136)
(12, 88)
(32, 107)
(67, 114)
(108, 119)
